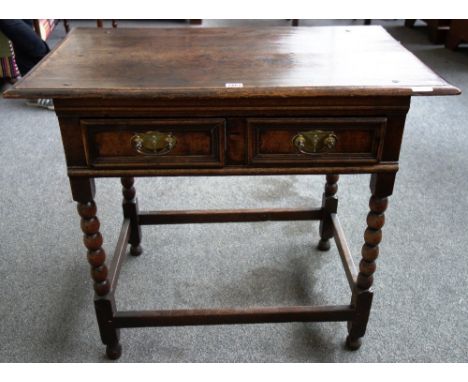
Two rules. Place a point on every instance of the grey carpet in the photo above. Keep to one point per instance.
(420, 304)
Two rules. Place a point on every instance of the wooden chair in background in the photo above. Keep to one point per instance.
(437, 28)
(99, 24)
(295, 22)
(457, 34)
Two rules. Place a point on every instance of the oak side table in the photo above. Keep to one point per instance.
(230, 101)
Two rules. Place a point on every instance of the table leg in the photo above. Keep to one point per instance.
(381, 187)
(131, 211)
(66, 25)
(330, 205)
(83, 193)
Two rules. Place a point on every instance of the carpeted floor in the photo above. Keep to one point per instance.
(420, 305)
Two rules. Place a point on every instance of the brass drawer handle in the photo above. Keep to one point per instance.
(153, 143)
(315, 141)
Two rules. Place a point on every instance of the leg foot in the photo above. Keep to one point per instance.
(83, 192)
(381, 187)
(452, 42)
(114, 351)
(324, 245)
(136, 250)
(353, 344)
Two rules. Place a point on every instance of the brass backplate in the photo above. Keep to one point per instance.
(153, 142)
(315, 141)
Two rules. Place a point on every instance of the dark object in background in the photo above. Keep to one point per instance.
(457, 34)
(28, 46)
(295, 22)
(437, 28)
(99, 24)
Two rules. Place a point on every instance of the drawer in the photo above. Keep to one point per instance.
(170, 143)
(305, 141)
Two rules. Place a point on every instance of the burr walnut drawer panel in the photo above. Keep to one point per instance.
(154, 143)
(305, 141)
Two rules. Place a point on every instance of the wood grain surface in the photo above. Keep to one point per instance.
(230, 62)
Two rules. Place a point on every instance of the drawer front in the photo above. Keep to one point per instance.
(305, 141)
(168, 143)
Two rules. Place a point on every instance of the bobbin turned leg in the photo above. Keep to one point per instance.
(381, 188)
(130, 211)
(330, 205)
(83, 192)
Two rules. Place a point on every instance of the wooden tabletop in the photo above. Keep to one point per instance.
(230, 62)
